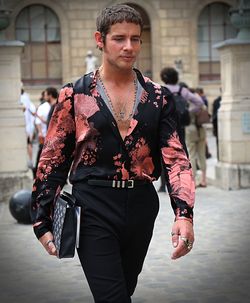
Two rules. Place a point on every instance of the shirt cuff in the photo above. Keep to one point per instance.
(184, 213)
(184, 218)
(41, 229)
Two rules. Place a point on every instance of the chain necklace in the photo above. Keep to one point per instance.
(120, 116)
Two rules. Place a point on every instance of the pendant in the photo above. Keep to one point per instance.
(122, 115)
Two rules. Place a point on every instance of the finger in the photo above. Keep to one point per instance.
(51, 248)
(175, 236)
(179, 251)
(182, 251)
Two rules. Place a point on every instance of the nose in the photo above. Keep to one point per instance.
(127, 44)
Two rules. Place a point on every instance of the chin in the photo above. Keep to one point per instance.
(127, 66)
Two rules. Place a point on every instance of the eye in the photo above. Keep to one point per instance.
(136, 40)
(118, 39)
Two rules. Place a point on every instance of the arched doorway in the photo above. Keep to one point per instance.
(39, 28)
(144, 61)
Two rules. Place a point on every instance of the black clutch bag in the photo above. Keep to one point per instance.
(66, 225)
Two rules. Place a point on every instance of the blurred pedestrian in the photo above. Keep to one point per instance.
(90, 62)
(201, 93)
(170, 77)
(216, 106)
(110, 129)
(51, 95)
(42, 114)
(196, 144)
(29, 110)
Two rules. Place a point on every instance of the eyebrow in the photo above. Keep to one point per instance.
(121, 36)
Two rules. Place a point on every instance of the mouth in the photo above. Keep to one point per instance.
(128, 58)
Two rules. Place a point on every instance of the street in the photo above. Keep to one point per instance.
(216, 270)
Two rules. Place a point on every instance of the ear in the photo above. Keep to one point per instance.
(98, 40)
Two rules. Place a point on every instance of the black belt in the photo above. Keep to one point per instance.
(118, 183)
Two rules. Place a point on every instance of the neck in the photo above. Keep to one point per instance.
(116, 76)
(52, 101)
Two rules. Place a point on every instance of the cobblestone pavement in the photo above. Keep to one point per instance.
(216, 270)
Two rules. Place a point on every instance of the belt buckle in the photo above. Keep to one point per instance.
(130, 183)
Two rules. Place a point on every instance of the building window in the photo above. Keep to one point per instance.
(213, 26)
(38, 27)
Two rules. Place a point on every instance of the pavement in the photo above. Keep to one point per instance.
(216, 270)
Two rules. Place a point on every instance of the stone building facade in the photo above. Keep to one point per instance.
(180, 33)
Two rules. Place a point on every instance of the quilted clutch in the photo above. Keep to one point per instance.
(66, 225)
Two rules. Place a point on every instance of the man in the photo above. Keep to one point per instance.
(216, 106)
(114, 124)
(90, 62)
(29, 110)
(170, 77)
(43, 116)
(51, 95)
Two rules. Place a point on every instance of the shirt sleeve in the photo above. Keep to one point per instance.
(195, 99)
(176, 163)
(54, 163)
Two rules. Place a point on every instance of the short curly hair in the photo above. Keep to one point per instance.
(169, 75)
(116, 14)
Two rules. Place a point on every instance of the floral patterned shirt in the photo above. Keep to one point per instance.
(83, 139)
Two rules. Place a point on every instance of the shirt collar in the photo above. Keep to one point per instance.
(142, 79)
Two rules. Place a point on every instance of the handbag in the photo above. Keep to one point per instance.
(66, 225)
(202, 117)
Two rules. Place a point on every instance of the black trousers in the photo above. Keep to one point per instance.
(116, 229)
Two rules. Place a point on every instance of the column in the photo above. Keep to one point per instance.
(13, 147)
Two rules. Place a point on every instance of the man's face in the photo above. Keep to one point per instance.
(46, 96)
(122, 45)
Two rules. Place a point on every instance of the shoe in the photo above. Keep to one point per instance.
(201, 185)
(208, 156)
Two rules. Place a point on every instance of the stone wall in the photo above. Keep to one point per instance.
(173, 35)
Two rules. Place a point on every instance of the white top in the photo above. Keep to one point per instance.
(29, 118)
(43, 112)
(91, 62)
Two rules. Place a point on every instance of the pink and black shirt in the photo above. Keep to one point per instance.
(83, 140)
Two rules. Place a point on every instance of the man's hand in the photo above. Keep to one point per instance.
(182, 229)
(50, 247)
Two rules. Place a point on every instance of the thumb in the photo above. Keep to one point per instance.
(52, 247)
(175, 237)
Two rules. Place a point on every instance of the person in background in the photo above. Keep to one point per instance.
(41, 124)
(216, 106)
(170, 77)
(90, 62)
(29, 110)
(51, 95)
(196, 145)
(200, 92)
(41, 99)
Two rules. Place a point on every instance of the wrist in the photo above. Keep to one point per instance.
(178, 218)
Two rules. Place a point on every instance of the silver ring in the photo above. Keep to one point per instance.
(48, 242)
(174, 234)
(188, 243)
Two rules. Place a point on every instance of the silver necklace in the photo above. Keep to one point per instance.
(120, 116)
